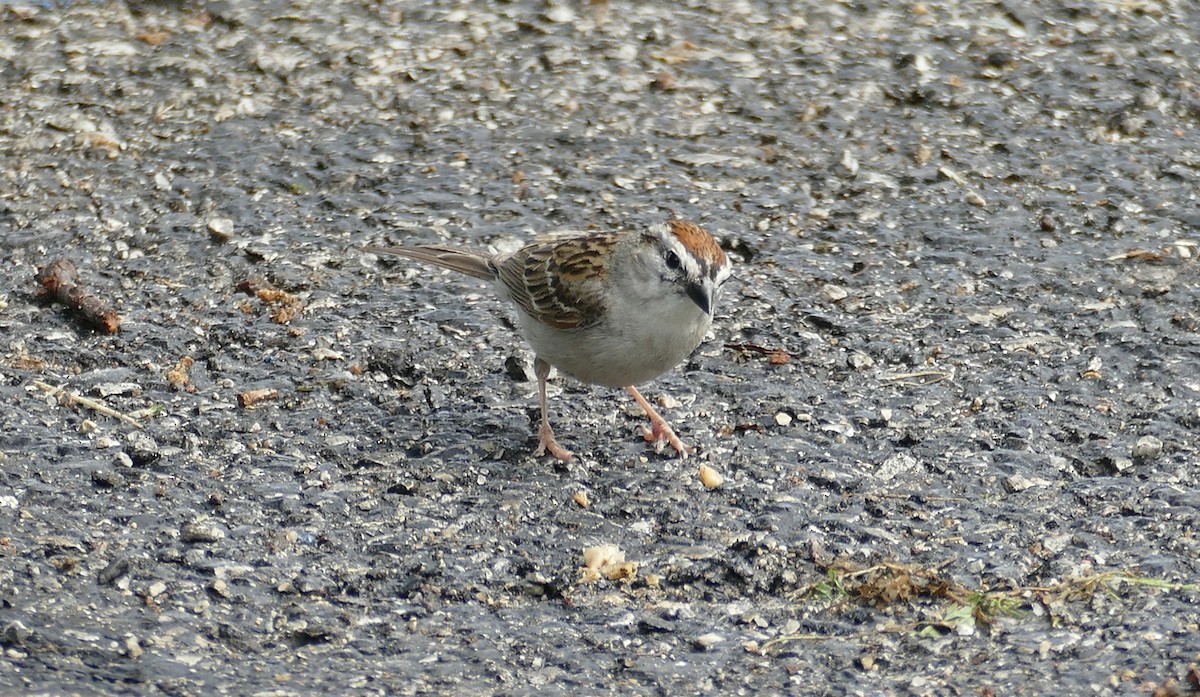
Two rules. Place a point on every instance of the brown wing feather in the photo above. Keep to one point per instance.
(558, 281)
(453, 258)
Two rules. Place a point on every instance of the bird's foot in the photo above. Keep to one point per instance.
(660, 433)
(548, 444)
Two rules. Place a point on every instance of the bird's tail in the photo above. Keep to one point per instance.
(453, 258)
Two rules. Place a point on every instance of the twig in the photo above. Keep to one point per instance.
(920, 377)
(774, 356)
(60, 283)
(923, 497)
(788, 638)
(73, 398)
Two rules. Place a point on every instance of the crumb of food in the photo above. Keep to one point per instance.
(606, 561)
(710, 478)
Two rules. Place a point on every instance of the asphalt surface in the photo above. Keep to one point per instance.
(952, 388)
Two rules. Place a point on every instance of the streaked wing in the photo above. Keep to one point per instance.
(559, 282)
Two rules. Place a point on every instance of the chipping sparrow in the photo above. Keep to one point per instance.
(609, 308)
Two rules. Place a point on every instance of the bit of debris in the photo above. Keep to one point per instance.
(60, 283)
(606, 561)
(252, 397)
(775, 356)
(70, 398)
(178, 376)
(288, 305)
(710, 478)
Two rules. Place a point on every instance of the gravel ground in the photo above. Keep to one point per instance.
(952, 388)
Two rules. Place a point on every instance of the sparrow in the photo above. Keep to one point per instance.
(614, 309)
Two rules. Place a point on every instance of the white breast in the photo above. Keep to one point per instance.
(633, 346)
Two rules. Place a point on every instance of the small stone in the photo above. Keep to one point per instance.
(201, 531)
(1122, 464)
(327, 354)
(834, 293)
(1017, 483)
(108, 478)
(220, 587)
(666, 401)
(1147, 448)
(561, 14)
(116, 569)
(783, 419)
(849, 162)
(517, 369)
(581, 499)
(860, 361)
(897, 464)
(705, 642)
(1056, 543)
(142, 450)
(156, 589)
(109, 389)
(15, 633)
(221, 229)
(133, 647)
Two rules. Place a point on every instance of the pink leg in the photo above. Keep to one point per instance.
(659, 431)
(546, 440)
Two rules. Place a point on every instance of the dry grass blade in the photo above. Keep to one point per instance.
(73, 398)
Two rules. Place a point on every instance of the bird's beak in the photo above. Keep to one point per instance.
(701, 292)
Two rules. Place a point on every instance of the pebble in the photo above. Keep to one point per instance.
(116, 569)
(1147, 448)
(1017, 482)
(109, 389)
(15, 633)
(220, 587)
(108, 478)
(834, 293)
(133, 647)
(221, 229)
(860, 361)
(201, 531)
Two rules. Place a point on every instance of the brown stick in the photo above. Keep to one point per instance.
(60, 283)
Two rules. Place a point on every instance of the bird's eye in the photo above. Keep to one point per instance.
(672, 260)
